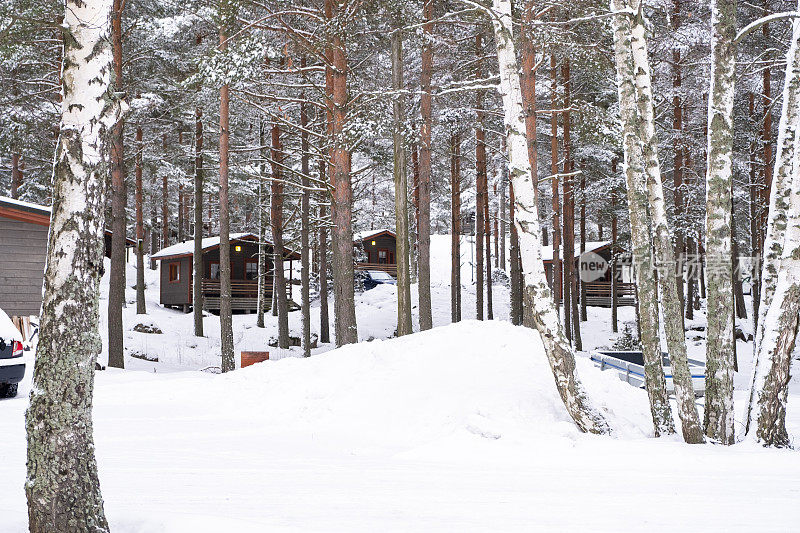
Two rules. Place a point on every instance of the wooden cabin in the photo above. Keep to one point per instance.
(598, 292)
(24, 228)
(177, 273)
(379, 249)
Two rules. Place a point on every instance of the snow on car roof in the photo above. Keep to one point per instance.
(7, 329)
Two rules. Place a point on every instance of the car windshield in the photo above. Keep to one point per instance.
(378, 275)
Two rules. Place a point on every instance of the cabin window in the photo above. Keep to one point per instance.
(383, 257)
(251, 269)
(213, 270)
(174, 272)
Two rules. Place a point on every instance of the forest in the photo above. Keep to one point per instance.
(452, 220)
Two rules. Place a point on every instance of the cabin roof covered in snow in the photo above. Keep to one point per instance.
(35, 213)
(363, 235)
(591, 246)
(186, 248)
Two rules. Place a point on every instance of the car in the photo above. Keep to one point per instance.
(12, 366)
(373, 278)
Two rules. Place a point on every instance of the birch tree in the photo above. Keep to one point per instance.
(526, 220)
(780, 295)
(665, 252)
(62, 485)
(718, 417)
(641, 226)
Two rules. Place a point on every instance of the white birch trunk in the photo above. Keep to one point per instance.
(665, 252)
(641, 225)
(779, 323)
(718, 419)
(526, 219)
(62, 483)
(778, 206)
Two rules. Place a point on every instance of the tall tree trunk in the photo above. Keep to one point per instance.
(119, 196)
(197, 258)
(516, 264)
(766, 139)
(404, 326)
(665, 251)
(677, 146)
(487, 235)
(773, 333)
(480, 178)
(503, 220)
(718, 419)
(324, 321)
(141, 307)
(583, 238)
(544, 315)
(424, 228)
(165, 199)
(16, 175)
(305, 227)
(755, 226)
(342, 194)
(225, 310)
(263, 222)
(62, 485)
(455, 222)
(279, 300)
(557, 272)
(641, 225)
(614, 252)
(571, 320)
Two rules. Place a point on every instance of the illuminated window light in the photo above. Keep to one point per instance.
(238, 248)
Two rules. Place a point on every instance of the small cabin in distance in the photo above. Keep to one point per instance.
(177, 271)
(379, 248)
(598, 292)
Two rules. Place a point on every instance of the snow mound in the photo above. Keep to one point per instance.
(421, 395)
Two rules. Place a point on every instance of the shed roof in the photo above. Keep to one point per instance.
(368, 234)
(591, 246)
(186, 248)
(34, 213)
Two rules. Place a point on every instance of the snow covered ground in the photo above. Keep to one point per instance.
(455, 429)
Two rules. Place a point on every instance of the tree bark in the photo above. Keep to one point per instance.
(665, 251)
(455, 222)
(614, 252)
(16, 175)
(774, 324)
(279, 299)
(544, 314)
(516, 264)
(480, 178)
(197, 258)
(225, 311)
(582, 231)
(342, 193)
(424, 213)
(62, 485)
(305, 228)
(116, 291)
(571, 318)
(557, 271)
(678, 162)
(324, 321)
(165, 199)
(141, 307)
(718, 418)
(641, 225)
(487, 235)
(404, 326)
(263, 222)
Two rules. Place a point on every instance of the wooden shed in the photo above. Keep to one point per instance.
(177, 273)
(24, 230)
(379, 249)
(598, 292)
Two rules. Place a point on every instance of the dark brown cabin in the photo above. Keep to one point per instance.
(598, 292)
(177, 272)
(24, 231)
(379, 249)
